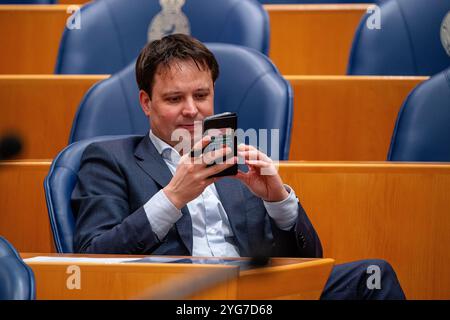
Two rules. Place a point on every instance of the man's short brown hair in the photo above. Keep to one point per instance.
(161, 53)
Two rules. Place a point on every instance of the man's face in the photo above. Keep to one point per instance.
(182, 94)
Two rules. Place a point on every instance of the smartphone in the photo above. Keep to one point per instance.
(221, 127)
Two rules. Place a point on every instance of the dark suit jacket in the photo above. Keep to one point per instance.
(118, 177)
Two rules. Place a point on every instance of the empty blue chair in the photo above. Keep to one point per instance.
(414, 39)
(112, 32)
(58, 187)
(422, 131)
(16, 278)
(249, 84)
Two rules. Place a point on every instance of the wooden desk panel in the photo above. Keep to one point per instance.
(41, 109)
(23, 212)
(30, 35)
(313, 39)
(342, 118)
(397, 212)
(286, 278)
(123, 281)
(305, 39)
(283, 282)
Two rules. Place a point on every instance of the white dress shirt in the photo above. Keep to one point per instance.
(211, 230)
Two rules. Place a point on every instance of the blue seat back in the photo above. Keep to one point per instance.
(58, 187)
(313, 1)
(422, 130)
(112, 32)
(249, 84)
(16, 278)
(413, 40)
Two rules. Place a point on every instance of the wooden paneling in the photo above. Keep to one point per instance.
(392, 211)
(30, 37)
(126, 280)
(344, 118)
(301, 279)
(396, 212)
(313, 39)
(41, 108)
(305, 39)
(23, 212)
(294, 281)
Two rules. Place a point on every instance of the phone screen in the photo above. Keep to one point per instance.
(220, 137)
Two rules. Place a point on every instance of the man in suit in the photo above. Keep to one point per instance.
(144, 195)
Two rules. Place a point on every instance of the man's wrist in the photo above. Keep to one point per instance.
(278, 196)
(285, 212)
(172, 196)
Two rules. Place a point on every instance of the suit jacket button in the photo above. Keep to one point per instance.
(302, 241)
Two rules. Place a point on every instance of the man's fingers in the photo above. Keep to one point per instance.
(250, 152)
(241, 176)
(212, 156)
(258, 163)
(210, 171)
(200, 145)
(211, 180)
(254, 155)
(245, 147)
(264, 168)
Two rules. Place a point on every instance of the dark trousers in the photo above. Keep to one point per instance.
(363, 280)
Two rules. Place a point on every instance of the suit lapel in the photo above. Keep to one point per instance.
(232, 199)
(153, 164)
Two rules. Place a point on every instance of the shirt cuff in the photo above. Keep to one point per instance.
(284, 212)
(161, 213)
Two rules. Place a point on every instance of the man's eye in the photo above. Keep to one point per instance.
(201, 96)
(173, 99)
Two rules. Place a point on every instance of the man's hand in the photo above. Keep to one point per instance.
(266, 184)
(192, 174)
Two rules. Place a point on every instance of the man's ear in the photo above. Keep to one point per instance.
(146, 102)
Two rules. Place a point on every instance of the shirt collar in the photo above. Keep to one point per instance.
(164, 149)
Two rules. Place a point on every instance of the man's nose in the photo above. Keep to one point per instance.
(190, 108)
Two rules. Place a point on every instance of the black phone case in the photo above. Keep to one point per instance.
(219, 121)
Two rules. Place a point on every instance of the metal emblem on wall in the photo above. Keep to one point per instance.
(445, 33)
(169, 20)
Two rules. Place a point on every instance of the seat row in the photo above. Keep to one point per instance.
(104, 36)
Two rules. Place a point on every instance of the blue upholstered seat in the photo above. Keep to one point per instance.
(112, 32)
(413, 39)
(422, 131)
(16, 278)
(58, 187)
